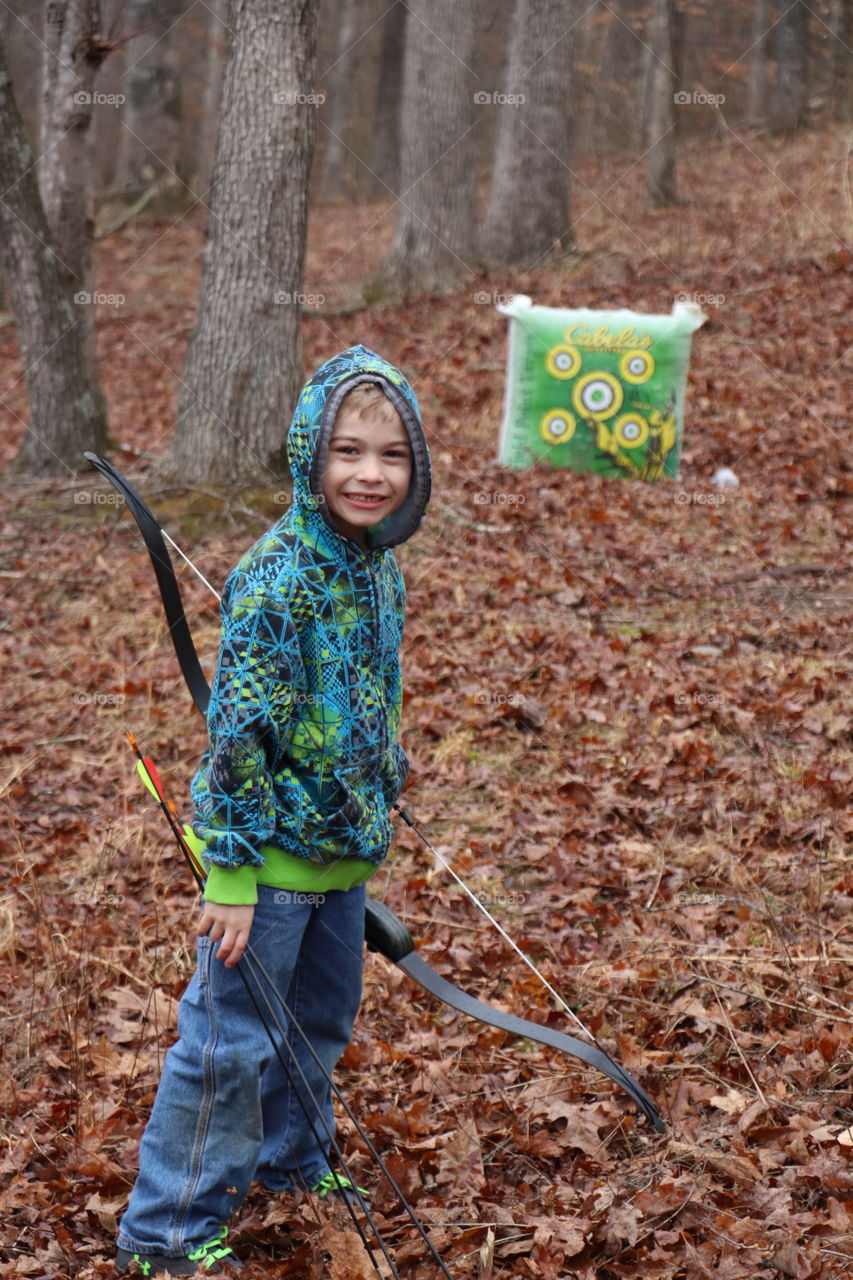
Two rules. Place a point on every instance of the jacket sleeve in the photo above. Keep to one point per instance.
(258, 674)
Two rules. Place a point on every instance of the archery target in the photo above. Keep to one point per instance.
(563, 362)
(637, 366)
(597, 391)
(597, 395)
(557, 426)
(631, 430)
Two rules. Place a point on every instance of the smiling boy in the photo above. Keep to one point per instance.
(369, 463)
(292, 801)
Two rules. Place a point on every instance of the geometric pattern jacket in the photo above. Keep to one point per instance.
(305, 704)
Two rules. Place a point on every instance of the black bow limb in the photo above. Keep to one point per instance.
(385, 932)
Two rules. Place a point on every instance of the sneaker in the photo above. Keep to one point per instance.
(335, 1184)
(208, 1258)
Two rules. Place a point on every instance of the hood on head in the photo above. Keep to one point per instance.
(311, 430)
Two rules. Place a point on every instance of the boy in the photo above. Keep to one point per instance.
(292, 801)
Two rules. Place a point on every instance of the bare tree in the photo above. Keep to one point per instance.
(214, 68)
(663, 87)
(789, 100)
(434, 234)
(528, 214)
(757, 100)
(385, 146)
(842, 60)
(623, 64)
(244, 364)
(341, 87)
(66, 416)
(73, 51)
(150, 147)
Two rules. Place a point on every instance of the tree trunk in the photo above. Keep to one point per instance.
(663, 87)
(757, 101)
(339, 80)
(528, 214)
(621, 73)
(842, 60)
(434, 234)
(217, 39)
(151, 121)
(244, 364)
(64, 415)
(72, 53)
(789, 101)
(385, 143)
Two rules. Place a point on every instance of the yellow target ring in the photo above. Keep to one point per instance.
(557, 426)
(631, 430)
(637, 366)
(597, 395)
(563, 362)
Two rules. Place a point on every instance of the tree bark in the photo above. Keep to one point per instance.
(340, 90)
(842, 60)
(621, 71)
(757, 101)
(528, 214)
(72, 54)
(789, 100)
(244, 364)
(434, 233)
(217, 39)
(385, 142)
(65, 417)
(663, 87)
(151, 121)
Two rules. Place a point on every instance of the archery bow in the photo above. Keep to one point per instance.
(384, 931)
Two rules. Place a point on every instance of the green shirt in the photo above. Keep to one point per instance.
(238, 886)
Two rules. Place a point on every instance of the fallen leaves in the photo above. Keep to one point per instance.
(629, 721)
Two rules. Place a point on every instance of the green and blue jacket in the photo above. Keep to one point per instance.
(303, 762)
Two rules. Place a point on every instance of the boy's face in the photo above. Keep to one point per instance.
(367, 474)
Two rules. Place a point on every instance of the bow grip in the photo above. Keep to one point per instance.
(385, 932)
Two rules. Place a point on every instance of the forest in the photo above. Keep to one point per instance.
(626, 697)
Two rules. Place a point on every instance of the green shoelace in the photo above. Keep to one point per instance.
(330, 1183)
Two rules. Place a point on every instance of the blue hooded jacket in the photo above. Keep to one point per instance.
(305, 704)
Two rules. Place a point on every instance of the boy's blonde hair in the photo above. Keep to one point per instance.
(369, 401)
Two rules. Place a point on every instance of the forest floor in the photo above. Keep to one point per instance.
(628, 710)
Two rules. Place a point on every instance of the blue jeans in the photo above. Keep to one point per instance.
(225, 1112)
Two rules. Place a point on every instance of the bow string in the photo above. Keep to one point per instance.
(384, 931)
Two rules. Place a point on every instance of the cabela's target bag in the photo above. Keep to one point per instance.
(596, 390)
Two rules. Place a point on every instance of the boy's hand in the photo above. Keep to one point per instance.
(231, 925)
